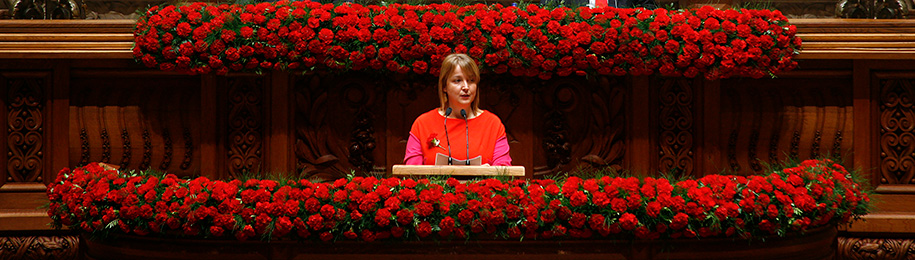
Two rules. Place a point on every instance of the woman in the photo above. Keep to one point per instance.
(447, 132)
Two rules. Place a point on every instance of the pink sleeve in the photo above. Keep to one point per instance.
(414, 153)
(500, 155)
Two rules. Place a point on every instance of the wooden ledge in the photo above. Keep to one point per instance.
(63, 39)
(23, 187)
(891, 39)
(886, 223)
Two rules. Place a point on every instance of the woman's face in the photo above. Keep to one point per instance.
(461, 90)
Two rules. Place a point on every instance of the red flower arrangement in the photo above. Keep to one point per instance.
(527, 41)
(815, 193)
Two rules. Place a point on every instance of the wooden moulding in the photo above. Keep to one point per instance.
(454, 170)
(885, 223)
(66, 39)
(856, 38)
(21, 207)
(818, 243)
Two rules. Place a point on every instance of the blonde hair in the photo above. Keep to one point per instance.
(471, 71)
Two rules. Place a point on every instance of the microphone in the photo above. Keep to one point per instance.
(447, 113)
(467, 132)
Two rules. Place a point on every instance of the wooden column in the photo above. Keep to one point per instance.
(639, 124)
(58, 113)
(210, 145)
(708, 127)
(865, 124)
(278, 150)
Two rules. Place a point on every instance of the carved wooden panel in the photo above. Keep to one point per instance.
(581, 123)
(245, 139)
(768, 121)
(25, 103)
(897, 131)
(39, 247)
(339, 120)
(48, 9)
(137, 123)
(676, 130)
(872, 9)
(876, 248)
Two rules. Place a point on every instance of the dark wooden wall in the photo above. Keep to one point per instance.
(66, 102)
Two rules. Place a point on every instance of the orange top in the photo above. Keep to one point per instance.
(485, 130)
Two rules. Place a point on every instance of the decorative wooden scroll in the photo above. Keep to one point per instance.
(335, 124)
(39, 247)
(855, 248)
(25, 139)
(244, 143)
(676, 121)
(581, 123)
(897, 131)
(48, 9)
(879, 9)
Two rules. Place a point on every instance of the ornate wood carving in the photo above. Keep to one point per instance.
(583, 124)
(897, 123)
(675, 122)
(84, 147)
(166, 150)
(106, 144)
(48, 9)
(147, 149)
(764, 123)
(25, 128)
(246, 126)
(879, 9)
(876, 248)
(114, 9)
(335, 124)
(125, 140)
(39, 247)
(362, 143)
(188, 148)
(556, 141)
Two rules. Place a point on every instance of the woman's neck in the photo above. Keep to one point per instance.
(456, 113)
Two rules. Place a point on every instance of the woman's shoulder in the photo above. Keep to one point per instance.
(427, 118)
(488, 115)
(431, 114)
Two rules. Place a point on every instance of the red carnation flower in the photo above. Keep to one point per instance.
(628, 221)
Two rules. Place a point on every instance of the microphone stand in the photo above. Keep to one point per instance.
(447, 113)
(467, 132)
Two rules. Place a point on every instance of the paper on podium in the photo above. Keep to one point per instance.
(442, 159)
(458, 170)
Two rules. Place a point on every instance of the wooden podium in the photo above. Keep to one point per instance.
(455, 170)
